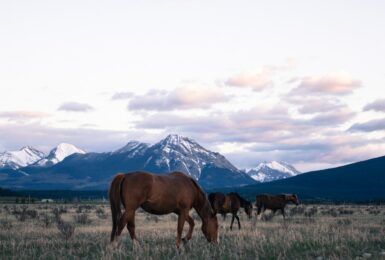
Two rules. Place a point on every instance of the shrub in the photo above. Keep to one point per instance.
(150, 217)
(66, 229)
(267, 217)
(32, 213)
(5, 224)
(84, 208)
(100, 213)
(46, 220)
(344, 221)
(311, 212)
(297, 210)
(82, 219)
(22, 214)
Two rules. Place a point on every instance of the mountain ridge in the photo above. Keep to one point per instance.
(95, 170)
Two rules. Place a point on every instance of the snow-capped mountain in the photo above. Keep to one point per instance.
(133, 148)
(17, 159)
(58, 154)
(271, 171)
(179, 153)
(95, 170)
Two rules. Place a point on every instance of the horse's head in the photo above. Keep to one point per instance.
(294, 199)
(210, 228)
(248, 208)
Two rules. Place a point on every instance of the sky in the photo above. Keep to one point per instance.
(297, 81)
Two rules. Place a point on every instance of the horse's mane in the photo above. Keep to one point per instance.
(206, 204)
(242, 200)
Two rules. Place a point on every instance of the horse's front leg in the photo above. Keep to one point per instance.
(239, 223)
(190, 221)
(232, 221)
(181, 220)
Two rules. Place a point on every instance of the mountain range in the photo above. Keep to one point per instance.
(67, 167)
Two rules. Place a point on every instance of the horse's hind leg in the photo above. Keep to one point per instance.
(190, 221)
(283, 213)
(128, 218)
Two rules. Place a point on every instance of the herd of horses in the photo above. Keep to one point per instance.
(178, 193)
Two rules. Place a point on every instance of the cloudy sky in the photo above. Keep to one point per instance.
(302, 82)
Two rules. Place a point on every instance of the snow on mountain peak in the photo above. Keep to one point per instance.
(24, 157)
(176, 152)
(63, 150)
(274, 170)
(59, 153)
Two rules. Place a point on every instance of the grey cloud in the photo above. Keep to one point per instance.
(314, 106)
(75, 107)
(180, 98)
(333, 118)
(370, 126)
(255, 81)
(122, 95)
(22, 115)
(329, 85)
(15, 136)
(377, 105)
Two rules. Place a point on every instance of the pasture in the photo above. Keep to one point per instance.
(73, 231)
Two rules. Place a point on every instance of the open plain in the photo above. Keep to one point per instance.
(82, 231)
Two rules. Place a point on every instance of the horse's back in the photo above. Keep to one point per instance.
(270, 201)
(159, 194)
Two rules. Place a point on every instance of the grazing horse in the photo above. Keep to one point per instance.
(230, 203)
(275, 202)
(175, 192)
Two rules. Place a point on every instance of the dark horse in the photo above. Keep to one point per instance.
(275, 202)
(230, 203)
(175, 192)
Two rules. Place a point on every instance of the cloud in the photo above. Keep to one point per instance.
(15, 136)
(316, 105)
(75, 107)
(22, 115)
(377, 105)
(333, 118)
(122, 95)
(341, 84)
(370, 126)
(179, 98)
(256, 81)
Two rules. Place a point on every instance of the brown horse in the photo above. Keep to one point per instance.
(230, 203)
(175, 192)
(275, 202)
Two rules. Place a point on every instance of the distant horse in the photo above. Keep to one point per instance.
(230, 203)
(175, 192)
(275, 202)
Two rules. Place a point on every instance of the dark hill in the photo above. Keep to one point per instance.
(362, 181)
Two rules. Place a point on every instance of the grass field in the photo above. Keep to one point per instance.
(81, 231)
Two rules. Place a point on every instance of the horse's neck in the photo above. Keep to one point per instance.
(242, 202)
(202, 206)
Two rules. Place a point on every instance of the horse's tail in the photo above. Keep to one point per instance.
(114, 195)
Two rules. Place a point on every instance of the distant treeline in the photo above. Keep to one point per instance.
(8, 193)
(74, 195)
(64, 194)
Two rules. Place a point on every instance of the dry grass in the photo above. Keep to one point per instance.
(310, 232)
